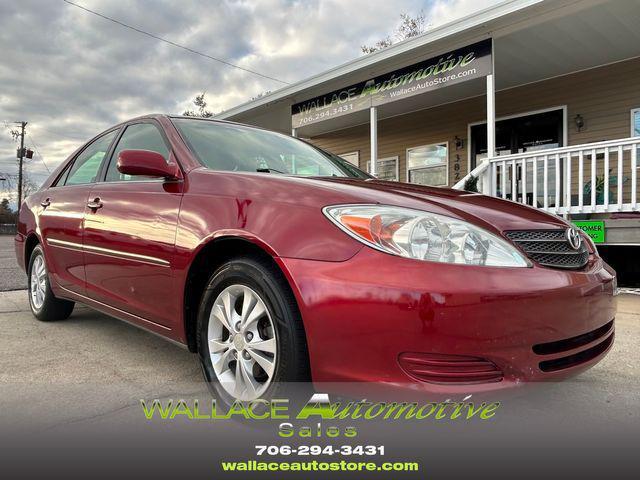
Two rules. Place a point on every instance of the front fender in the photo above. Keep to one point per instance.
(282, 229)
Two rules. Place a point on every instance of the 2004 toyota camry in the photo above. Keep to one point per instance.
(278, 262)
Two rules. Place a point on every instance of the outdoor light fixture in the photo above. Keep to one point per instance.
(459, 143)
(579, 121)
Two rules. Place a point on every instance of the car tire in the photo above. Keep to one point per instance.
(44, 305)
(251, 280)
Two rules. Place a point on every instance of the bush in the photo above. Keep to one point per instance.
(471, 184)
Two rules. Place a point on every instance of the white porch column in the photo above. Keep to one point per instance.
(487, 178)
(374, 139)
(491, 117)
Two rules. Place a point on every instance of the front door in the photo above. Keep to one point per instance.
(526, 133)
(61, 218)
(130, 235)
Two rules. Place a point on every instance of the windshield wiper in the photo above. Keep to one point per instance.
(269, 170)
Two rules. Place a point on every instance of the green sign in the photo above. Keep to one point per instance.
(593, 228)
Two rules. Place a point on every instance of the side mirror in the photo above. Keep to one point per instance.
(147, 163)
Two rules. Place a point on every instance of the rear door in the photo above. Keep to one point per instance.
(61, 217)
(130, 235)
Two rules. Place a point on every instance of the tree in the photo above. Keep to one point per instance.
(7, 185)
(28, 186)
(6, 214)
(10, 183)
(409, 27)
(201, 105)
(5, 180)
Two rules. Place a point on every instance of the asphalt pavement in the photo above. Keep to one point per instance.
(11, 275)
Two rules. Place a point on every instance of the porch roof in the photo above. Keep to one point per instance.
(533, 41)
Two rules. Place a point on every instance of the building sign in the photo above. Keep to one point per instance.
(593, 228)
(466, 63)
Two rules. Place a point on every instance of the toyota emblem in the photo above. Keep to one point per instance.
(574, 238)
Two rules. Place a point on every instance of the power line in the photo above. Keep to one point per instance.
(57, 134)
(177, 45)
(35, 147)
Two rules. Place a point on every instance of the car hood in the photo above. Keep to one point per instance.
(314, 193)
(500, 214)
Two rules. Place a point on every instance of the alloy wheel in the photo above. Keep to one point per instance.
(242, 342)
(38, 283)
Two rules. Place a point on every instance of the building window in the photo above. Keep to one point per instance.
(386, 168)
(351, 157)
(635, 122)
(428, 165)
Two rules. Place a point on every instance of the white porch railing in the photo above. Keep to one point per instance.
(562, 180)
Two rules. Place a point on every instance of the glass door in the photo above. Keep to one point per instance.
(526, 133)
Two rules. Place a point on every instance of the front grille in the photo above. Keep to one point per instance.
(449, 369)
(550, 248)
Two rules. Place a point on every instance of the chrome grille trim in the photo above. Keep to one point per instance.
(549, 248)
(537, 235)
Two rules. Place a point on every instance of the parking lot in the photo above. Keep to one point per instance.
(11, 276)
(110, 365)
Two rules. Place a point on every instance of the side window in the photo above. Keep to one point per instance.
(140, 136)
(86, 165)
(63, 176)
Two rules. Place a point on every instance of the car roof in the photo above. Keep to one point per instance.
(170, 116)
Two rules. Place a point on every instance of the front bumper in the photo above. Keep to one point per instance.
(362, 314)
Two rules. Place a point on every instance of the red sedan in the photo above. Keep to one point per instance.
(278, 262)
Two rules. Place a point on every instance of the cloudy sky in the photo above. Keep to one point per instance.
(71, 74)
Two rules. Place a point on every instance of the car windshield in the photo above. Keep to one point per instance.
(237, 148)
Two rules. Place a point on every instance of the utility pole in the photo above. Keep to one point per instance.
(21, 157)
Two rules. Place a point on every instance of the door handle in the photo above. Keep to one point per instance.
(45, 203)
(95, 204)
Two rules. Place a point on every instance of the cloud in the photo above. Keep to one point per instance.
(71, 74)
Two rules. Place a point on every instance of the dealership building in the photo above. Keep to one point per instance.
(534, 101)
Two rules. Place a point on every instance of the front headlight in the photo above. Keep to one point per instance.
(424, 236)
